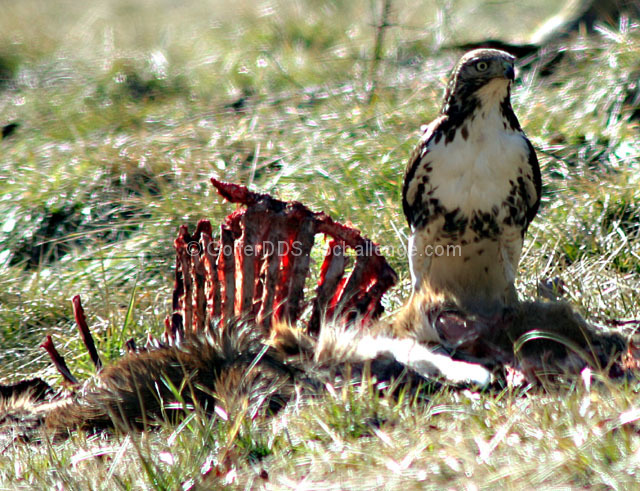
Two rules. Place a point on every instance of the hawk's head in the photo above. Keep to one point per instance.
(481, 77)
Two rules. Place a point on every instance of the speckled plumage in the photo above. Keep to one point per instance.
(473, 183)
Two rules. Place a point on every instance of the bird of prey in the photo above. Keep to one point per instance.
(470, 190)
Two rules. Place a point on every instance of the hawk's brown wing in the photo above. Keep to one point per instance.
(533, 202)
(414, 208)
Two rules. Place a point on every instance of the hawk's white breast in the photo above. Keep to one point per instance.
(478, 172)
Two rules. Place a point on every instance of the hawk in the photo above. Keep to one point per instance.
(470, 190)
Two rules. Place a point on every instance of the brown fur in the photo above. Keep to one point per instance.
(238, 368)
(535, 337)
(143, 388)
(235, 368)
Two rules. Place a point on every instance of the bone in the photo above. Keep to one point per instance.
(211, 252)
(256, 278)
(272, 275)
(236, 193)
(178, 287)
(58, 361)
(184, 259)
(300, 258)
(198, 274)
(351, 290)
(85, 334)
(254, 224)
(226, 273)
(331, 273)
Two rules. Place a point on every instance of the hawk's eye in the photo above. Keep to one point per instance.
(481, 66)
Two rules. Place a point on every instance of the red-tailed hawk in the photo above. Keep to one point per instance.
(471, 188)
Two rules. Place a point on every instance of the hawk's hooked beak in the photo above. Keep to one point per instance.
(509, 72)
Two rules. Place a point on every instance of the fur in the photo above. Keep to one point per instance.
(237, 367)
(236, 364)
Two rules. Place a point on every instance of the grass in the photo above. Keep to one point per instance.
(125, 110)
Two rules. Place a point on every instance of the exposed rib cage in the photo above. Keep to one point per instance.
(258, 267)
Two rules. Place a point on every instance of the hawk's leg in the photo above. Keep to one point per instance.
(510, 249)
(419, 260)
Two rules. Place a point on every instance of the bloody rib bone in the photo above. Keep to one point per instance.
(259, 266)
(85, 334)
(58, 360)
(331, 273)
(227, 266)
(211, 251)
